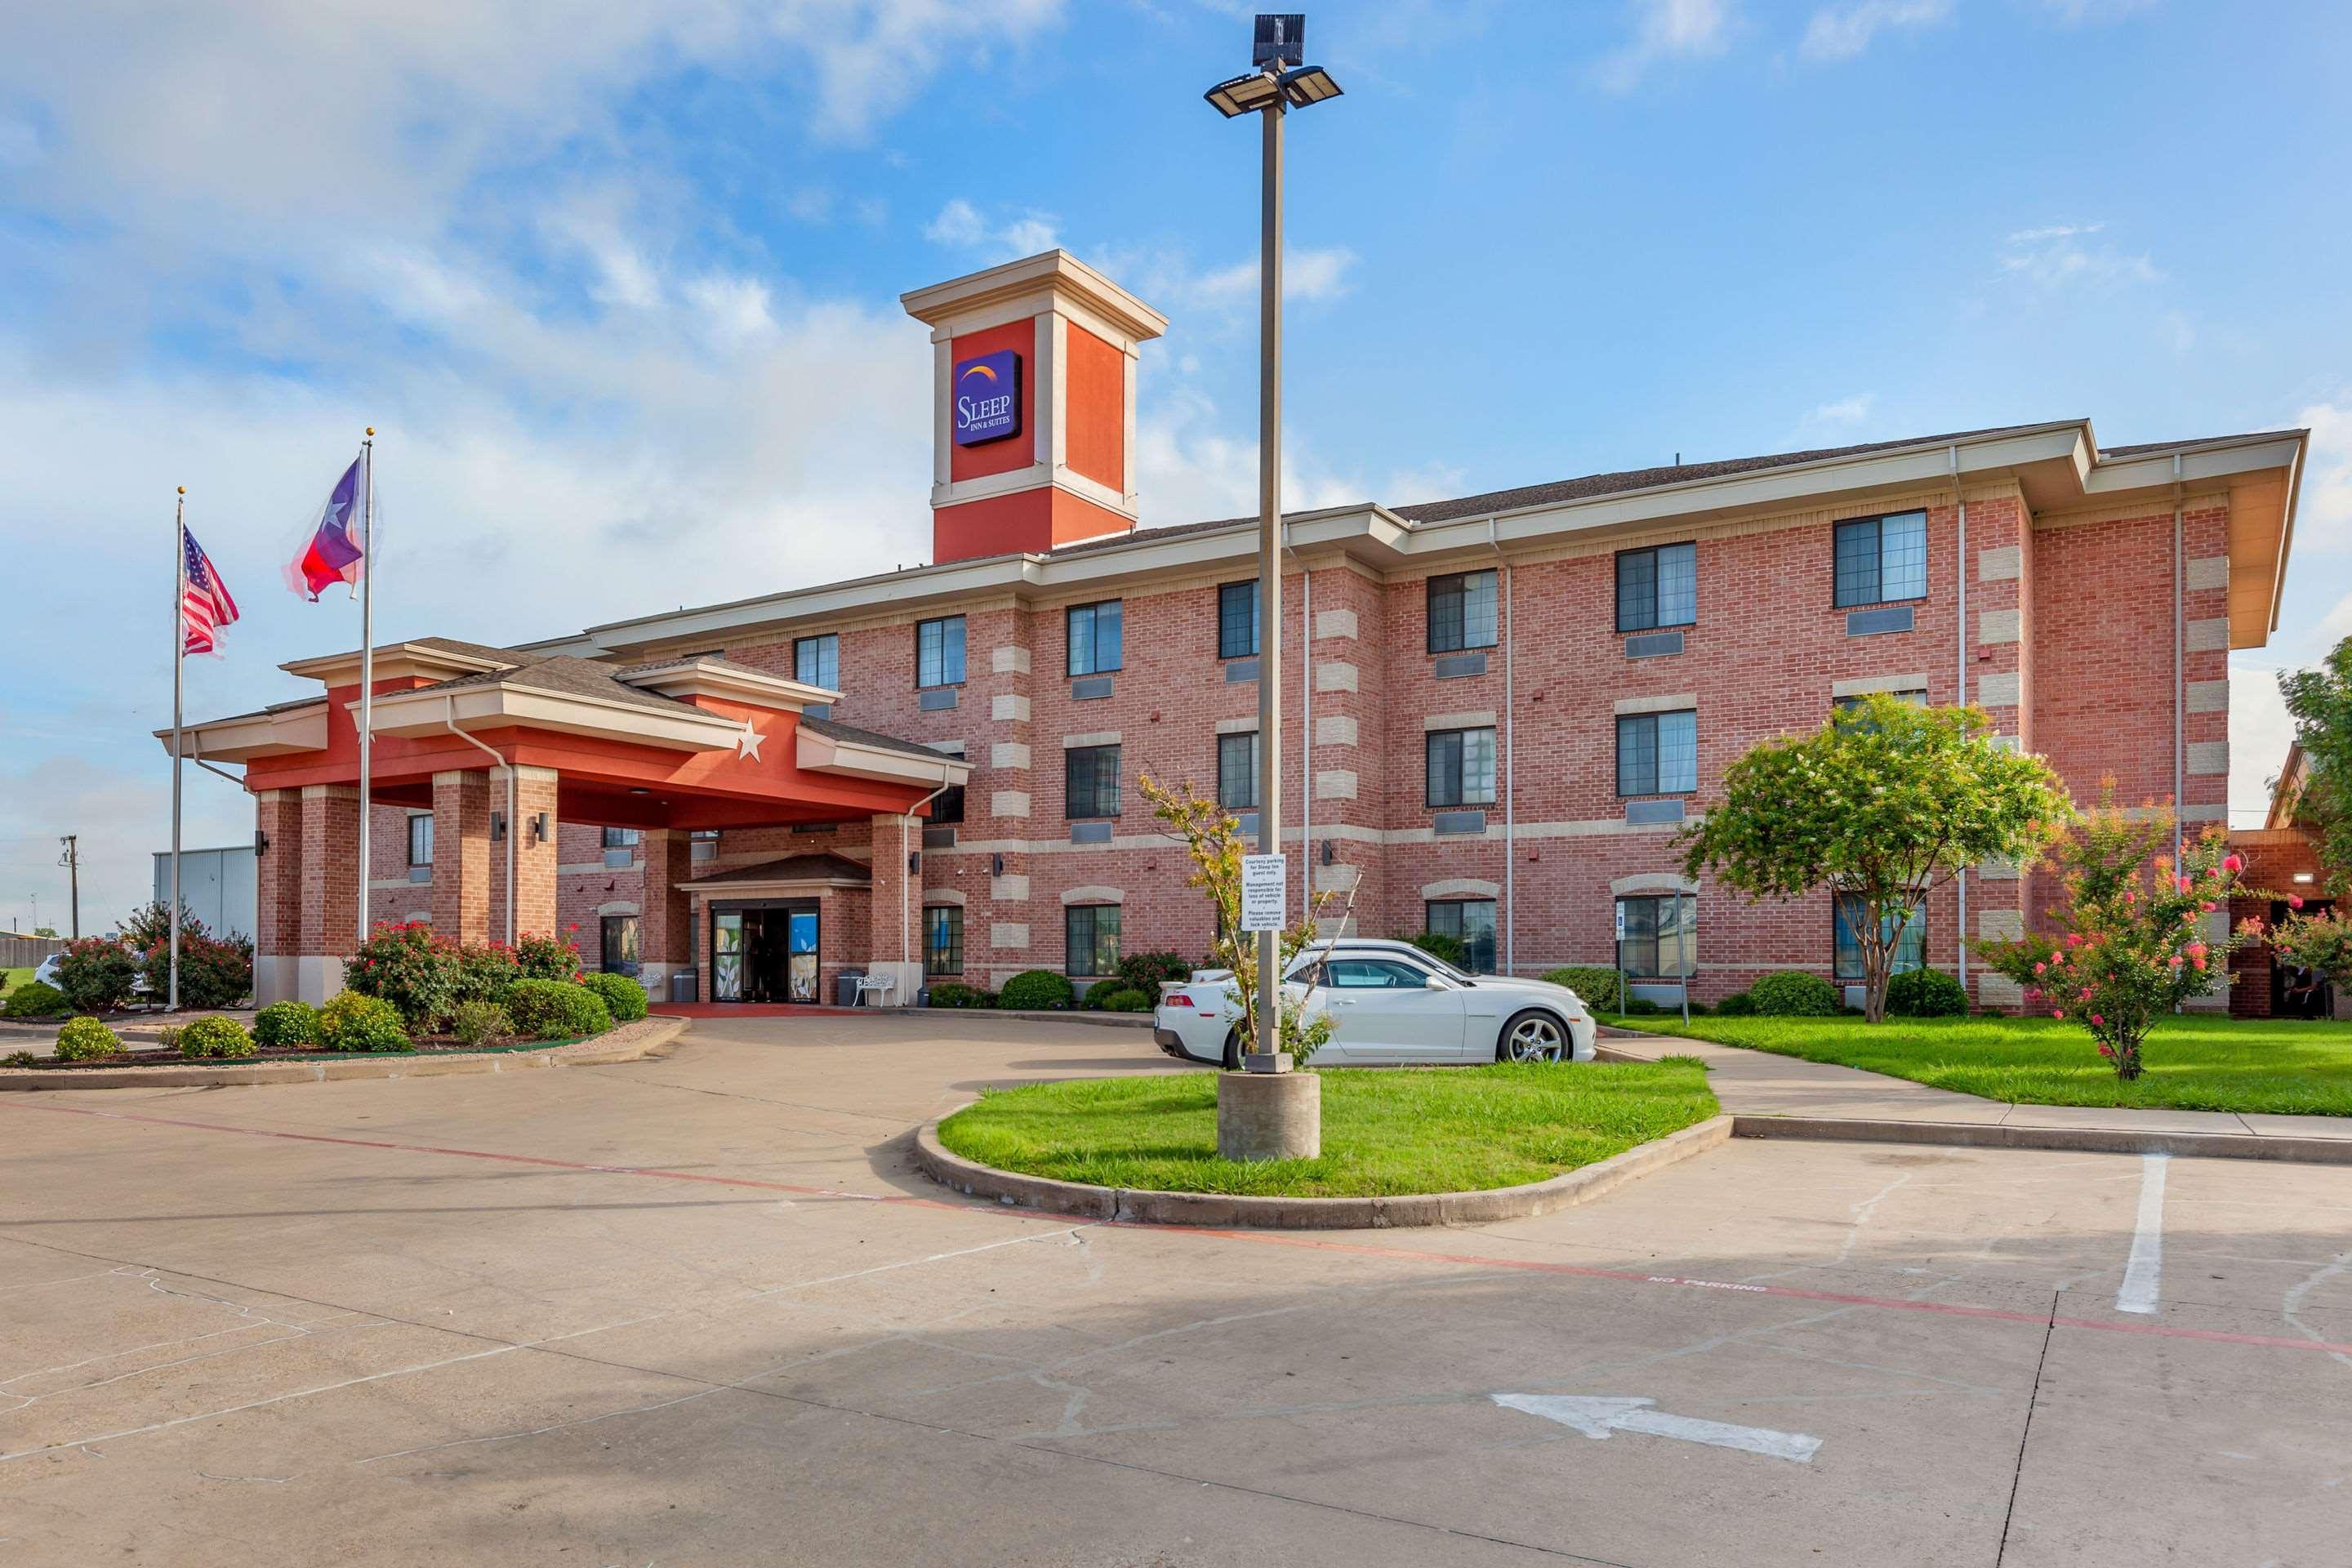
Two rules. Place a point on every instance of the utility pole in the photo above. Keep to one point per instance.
(71, 861)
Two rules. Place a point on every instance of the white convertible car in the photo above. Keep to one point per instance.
(1388, 1002)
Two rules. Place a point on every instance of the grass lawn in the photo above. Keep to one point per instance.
(12, 978)
(1415, 1130)
(2193, 1063)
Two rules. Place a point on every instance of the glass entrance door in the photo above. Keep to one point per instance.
(801, 956)
(727, 958)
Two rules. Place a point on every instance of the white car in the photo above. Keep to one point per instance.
(1389, 1002)
(46, 973)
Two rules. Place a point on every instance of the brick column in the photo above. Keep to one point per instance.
(891, 912)
(461, 856)
(535, 856)
(1998, 637)
(1001, 804)
(662, 926)
(330, 877)
(277, 906)
(2205, 692)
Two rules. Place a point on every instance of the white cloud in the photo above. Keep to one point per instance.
(1190, 470)
(2325, 521)
(960, 226)
(2058, 254)
(1836, 33)
(1666, 30)
(1851, 410)
(2077, 13)
(1169, 281)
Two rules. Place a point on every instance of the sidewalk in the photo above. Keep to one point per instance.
(1821, 1099)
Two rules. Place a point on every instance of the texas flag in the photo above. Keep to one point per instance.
(332, 553)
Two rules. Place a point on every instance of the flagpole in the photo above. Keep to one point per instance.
(367, 660)
(178, 661)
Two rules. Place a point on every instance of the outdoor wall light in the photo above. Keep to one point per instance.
(996, 865)
(639, 789)
(2304, 878)
(539, 828)
(260, 843)
(1328, 851)
(914, 861)
(497, 826)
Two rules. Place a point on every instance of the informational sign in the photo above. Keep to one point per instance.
(1620, 920)
(987, 398)
(1266, 886)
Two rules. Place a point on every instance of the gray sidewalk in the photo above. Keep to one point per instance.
(1760, 1085)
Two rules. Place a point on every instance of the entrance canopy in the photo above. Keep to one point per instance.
(692, 743)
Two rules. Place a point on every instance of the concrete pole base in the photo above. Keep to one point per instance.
(1269, 1116)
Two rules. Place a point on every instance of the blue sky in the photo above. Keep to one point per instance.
(618, 286)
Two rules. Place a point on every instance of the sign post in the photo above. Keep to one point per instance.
(1617, 952)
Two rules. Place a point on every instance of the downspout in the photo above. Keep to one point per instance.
(2179, 638)
(1961, 882)
(906, 916)
(1510, 804)
(514, 828)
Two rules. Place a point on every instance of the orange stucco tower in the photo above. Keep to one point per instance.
(1034, 395)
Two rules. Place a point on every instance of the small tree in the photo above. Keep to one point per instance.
(2132, 946)
(2320, 701)
(2322, 943)
(1212, 840)
(1882, 806)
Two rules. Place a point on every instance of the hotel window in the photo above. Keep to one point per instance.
(621, 838)
(943, 940)
(939, 652)
(1237, 621)
(1090, 781)
(1882, 559)
(1657, 587)
(1090, 938)
(1462, 612)
(1848, 704)
(817, 661)
(1656, 945)
(1094, 638)
(702, 844)
(1657, 753)
(420, 839)
(1237, 772)
(1460, 767)
(1470, 921)
(1910, 948)
(947, 806)
(617, 944)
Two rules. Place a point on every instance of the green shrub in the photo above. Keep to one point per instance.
(1144, 971)
(168, 1037)
(1098, 994)
(474, 1023)
(556, 1010)
(952, 994)
(1793, 994)
(410, 967)
(20, 1059)
(1641, 1007)
(215, 971)
(624, 999)
(354, 1021)
(33, 999)
(484, 973)
(1438, 945)
(1036, 990)
(548, 957)
(1738, 1004)
(96, 973)
(287, 1024)
(85, 1039)
(1926, 994)
(216, 1037)
(1121, 999)
(1597, 987)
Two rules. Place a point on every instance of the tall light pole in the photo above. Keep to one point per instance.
(1285, 1123)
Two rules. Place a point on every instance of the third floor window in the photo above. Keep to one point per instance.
(1657, 587)
(1462, 612)
(1238, 620)
(939, 652)
(1095, 637)
(1880, 560)
(818, 661)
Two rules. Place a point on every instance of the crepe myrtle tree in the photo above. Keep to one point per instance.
(2320, 701)
(1883, 804)
(2320, 942)
(2132, 943)
(1212, 840)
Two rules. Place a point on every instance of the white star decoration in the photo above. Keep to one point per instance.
(748, 744)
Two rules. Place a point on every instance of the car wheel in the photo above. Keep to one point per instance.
(1533, 1036)
(1232, 1050)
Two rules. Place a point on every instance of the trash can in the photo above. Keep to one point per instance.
(844, 988)
(685, 984)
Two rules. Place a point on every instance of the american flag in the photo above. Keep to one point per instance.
(205, 603)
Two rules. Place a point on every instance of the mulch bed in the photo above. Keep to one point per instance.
(431, 1046)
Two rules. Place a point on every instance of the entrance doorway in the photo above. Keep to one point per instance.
(765, 953)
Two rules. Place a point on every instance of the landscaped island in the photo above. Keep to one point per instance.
(1385, 1133)
(2194, 1062)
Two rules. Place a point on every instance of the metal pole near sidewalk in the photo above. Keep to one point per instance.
(179, 662)
(367, 662)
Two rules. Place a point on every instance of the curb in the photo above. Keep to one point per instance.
(2076, 1140)
(600, 1052)
(1135, 1206)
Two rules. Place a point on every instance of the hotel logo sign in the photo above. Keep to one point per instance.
(987, 394)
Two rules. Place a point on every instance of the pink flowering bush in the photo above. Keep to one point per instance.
(406, 965)
(2321, 942)
(548, 957)
(2131, 944)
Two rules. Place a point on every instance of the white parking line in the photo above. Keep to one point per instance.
(2144, 1273)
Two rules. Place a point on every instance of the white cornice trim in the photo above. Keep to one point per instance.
(836, 754)
(249, 735)
(430, 712)
(706, 678)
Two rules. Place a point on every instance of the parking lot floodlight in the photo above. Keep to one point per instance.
(1308, 84)
(1244, 94)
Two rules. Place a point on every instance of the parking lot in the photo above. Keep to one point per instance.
(699, 1310)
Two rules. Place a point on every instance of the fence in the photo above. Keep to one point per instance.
(27, 951)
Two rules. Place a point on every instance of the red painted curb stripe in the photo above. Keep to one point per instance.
(1261, 1238)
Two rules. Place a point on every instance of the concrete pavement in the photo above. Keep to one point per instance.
(699, 1310)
